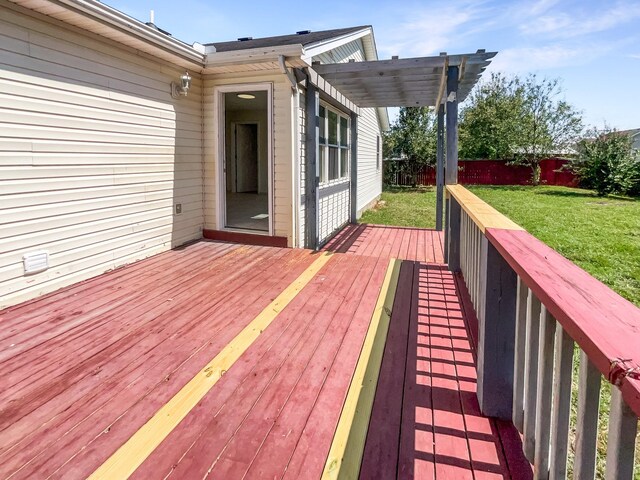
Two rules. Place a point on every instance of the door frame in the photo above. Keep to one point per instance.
(219, 129)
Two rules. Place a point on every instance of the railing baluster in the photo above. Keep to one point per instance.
(561, 410)
(531, 375)
(463, 243)
(543, 398)
(478, 248)
(623, 425)
(519, 355)
(587, 421)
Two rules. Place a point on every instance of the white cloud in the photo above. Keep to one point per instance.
(434, 29)
(563, 24)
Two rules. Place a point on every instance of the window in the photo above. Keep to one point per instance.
(334, 145)
(378, 152)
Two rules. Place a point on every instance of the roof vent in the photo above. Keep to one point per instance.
(245, 39)
(303, 32)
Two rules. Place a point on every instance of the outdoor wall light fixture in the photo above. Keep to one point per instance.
(181, 89)
(246, 96)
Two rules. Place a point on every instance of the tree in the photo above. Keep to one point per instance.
(522, 120)
(489, 126)
(607, 162)
(549, 125)
(413, 138)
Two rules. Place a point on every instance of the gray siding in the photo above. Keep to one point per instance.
(94, 153)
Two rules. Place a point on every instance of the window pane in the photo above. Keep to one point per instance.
(344, 132)
(334, 172)
(321, 160)
(333, 128)
(323, 135)
(344, 162)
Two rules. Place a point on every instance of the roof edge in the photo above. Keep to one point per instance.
(120, 22)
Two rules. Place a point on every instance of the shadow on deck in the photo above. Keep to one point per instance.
(426, 421)
(405, 243)
(111, 351)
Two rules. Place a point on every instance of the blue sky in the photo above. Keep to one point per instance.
(592, 46)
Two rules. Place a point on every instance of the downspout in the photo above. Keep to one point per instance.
(295, 184)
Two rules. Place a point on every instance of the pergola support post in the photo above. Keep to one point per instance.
(312, 168)
(440, 168)
(353, 170)
(452, 234)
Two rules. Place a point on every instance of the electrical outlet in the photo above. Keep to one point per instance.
(178, 208)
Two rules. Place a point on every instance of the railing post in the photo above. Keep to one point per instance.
(452, 239)
(440, 167)
(496, 333)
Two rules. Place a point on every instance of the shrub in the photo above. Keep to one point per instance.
(607, 163)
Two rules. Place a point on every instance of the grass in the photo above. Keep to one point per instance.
(601, 235)
(404, 207)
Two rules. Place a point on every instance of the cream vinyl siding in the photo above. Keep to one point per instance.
(369, 177)
(282, 144)
(94, 154)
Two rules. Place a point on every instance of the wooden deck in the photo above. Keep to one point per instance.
(405, 243)
(232, 361)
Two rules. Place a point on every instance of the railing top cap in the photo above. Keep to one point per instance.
(483, 214)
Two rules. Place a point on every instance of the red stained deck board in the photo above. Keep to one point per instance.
(27, 315)
(416, 244)
(89, 377)
(416, 450)
(206, 433)
(277, 448)
(250, 366)
(235, 313)
(485, 447)
(309, 457)
(605, 325)
(122, 366)
(92, 305)
(101, 334)
(174, 364)
(380, 457)
(299, 393)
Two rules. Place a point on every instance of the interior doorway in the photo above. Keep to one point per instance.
(247, 161)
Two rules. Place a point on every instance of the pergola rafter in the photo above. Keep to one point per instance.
(440, 81)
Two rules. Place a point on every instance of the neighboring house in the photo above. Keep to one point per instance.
(101, 165)
(635, 137)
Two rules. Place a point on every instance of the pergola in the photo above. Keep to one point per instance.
(440, 82)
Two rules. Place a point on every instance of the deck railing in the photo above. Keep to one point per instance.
(533, 306)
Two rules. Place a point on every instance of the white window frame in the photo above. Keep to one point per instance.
(343, 176)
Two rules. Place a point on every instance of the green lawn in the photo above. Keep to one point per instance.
(602, 235)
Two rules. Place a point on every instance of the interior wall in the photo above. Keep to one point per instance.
(249, 116)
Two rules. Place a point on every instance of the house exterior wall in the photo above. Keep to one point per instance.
(369, 185)
(94, 154)
(282, 148)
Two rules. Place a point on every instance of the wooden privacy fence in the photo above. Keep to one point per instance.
(532, 306)
(485, 172)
